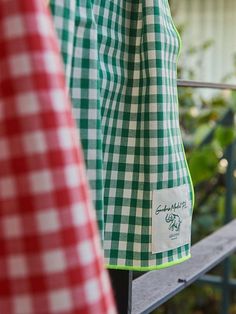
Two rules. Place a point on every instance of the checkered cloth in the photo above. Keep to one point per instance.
(50, 257)
(120, 60)
(78, 38)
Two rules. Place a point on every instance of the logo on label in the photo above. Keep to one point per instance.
(174, 221)
(171, 217)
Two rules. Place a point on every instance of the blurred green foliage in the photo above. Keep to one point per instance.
(205, 141)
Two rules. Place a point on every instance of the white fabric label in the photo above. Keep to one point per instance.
(171, 218)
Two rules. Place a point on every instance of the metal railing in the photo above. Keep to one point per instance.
(122, 280)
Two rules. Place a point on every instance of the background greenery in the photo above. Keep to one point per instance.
(200, 116)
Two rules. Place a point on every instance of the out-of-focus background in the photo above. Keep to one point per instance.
(207, 118)
(209, 24)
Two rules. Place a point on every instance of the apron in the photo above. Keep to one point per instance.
(50, 257)
(120, 63)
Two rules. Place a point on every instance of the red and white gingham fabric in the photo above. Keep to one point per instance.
(50, 257)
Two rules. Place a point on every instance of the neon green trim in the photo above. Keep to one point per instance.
(179, 39)
(146, 268)
(189, 174)
(177, 33)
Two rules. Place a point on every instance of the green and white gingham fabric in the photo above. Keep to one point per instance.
(77, 32)
(120, 63)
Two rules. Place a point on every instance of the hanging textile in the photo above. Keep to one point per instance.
(120, 59)
(50, 256)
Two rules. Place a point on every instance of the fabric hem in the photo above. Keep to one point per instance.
(147, 268)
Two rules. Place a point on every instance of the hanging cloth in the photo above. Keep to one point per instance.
(120, 60)
(50, 257)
